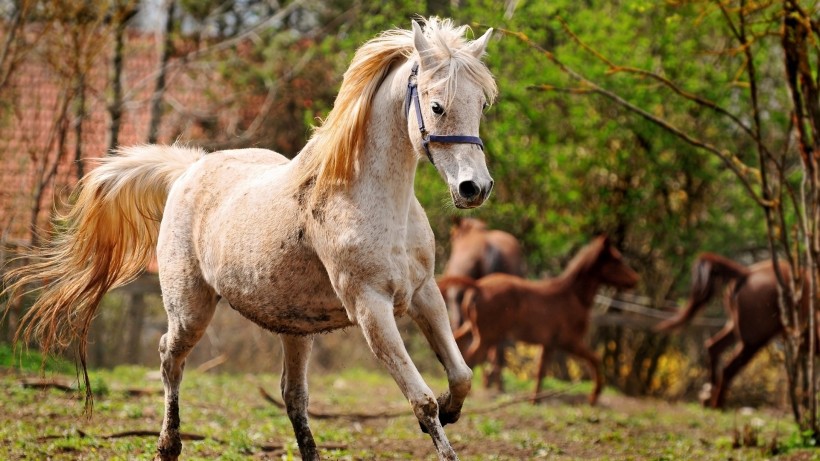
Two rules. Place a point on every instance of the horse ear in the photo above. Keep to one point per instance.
(479, 46)
(423, 47)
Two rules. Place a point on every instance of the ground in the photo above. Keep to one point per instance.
(237, 422)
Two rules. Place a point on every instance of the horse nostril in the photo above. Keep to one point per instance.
(468, 189)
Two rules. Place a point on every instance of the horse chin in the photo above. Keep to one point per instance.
(464, 204)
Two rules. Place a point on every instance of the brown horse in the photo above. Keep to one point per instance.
(553, 312)
(477, 251)
(751, 302)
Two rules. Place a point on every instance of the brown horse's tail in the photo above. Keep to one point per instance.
(455, 281)
(105, 240)
(709, 270)
(467, 285)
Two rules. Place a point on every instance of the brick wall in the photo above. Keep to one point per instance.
(29, 135)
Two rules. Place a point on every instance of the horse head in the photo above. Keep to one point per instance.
(463, 227)
(613, 269)
(448, 89)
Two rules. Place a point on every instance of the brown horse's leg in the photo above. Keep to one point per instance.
(743, 353)
(189, 313)
(492, 375)
(374, 312)
(295, 391)
(715, 347)
(542, 370)
(453, 301)
(581, 350)
(464, 337)
(429, 313)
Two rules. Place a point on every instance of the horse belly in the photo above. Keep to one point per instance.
(301, 312)
(296, 319)
(292, 297)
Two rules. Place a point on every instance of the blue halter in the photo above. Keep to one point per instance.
(427, 138)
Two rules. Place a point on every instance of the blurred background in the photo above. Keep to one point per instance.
(79, 77)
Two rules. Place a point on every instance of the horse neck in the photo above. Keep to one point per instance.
(387, 162)
(582, 280)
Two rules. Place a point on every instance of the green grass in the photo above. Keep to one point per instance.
(26, 360)
(239, 424)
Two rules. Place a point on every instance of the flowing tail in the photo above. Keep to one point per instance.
(709, 270)
(466, 286)
(105, 240)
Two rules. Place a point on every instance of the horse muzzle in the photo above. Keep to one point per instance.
(471, 193)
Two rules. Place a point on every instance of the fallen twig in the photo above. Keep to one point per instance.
(394, 414)
(543, 395)
(136, 392)
(39, 383)
(187, 436)
(42, 383)
(213, 363)
(119, 435)
(321, 415)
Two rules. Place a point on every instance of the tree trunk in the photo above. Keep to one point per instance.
(159, 91)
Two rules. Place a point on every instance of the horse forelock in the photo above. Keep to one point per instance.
(450, 51)
(335, 157)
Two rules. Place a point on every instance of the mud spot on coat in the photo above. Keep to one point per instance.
(301, 195)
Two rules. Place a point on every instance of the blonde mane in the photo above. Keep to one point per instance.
(334, 159)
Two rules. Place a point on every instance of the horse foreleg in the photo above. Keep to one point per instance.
(582, 351)
(429, 313)
(295, 391)
(187, 322)
(542, 370)
(374, 312)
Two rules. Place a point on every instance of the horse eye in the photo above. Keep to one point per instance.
(437, 108)
(485, 106)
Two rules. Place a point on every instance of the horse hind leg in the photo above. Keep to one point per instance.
(715, 346)
(295, 391)
(495, 367)
(742, 355)
(188, 316)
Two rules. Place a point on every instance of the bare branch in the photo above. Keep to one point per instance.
(744, 173)
(615, 68)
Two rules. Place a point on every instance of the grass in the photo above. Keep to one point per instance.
(238, 423)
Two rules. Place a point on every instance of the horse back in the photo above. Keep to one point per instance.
(503, 254)
(511, 307)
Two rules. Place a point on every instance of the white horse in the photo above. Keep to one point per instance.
(333, 238)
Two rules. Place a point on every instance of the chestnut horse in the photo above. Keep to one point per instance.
(553, 312)
(333, 238)
(751, 303)
(476, 251)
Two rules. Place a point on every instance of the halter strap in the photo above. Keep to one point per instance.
(426, 138)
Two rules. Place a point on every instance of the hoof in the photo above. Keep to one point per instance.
(161, 457)
(445, 415)
(169, 450)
